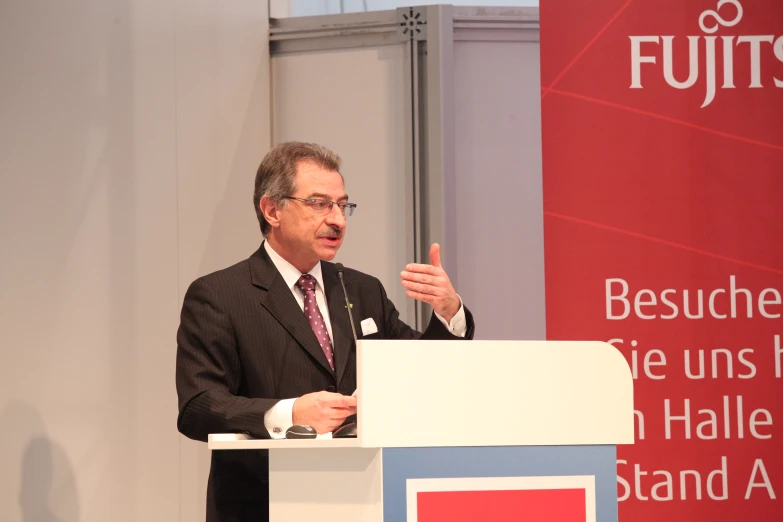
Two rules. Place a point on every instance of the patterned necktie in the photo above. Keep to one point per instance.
(306, 284)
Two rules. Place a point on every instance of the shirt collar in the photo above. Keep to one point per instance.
(289, 272)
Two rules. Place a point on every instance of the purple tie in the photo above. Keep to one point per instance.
(306, 284)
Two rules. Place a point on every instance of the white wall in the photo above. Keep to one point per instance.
(130, 134)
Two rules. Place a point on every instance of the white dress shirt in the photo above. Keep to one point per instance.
(280, 417)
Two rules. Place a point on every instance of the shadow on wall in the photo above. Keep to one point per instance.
(69, 201)
(47, 489)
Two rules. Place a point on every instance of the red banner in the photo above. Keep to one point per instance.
(663, 189)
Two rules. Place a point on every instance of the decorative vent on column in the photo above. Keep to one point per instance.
(413, 23)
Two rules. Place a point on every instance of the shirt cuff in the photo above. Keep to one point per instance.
(458, 325)
(279, 418)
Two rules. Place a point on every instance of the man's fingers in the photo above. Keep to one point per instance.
(334, 404)
(423, 288)
(435, 255)
(420, 278)
(331, 398)
(342, 401)
(423, 269)
(323, 410)
(427, 298)
(349, 401)
(343, 407)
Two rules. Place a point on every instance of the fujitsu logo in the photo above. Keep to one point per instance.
(744, 47)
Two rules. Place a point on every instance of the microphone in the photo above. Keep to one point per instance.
(349, 428)
(340, 268)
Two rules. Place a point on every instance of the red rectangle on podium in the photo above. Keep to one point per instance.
(502, 499)
(535, 505)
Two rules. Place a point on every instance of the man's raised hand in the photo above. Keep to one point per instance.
(430, 284)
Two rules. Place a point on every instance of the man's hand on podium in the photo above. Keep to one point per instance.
(324, 411)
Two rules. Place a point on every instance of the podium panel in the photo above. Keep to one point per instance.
(542, 483)
(326, 484)
(493, 393)
(482, 430)
(453, 484)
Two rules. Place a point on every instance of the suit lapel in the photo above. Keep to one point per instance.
(338, 315)
(280, 302)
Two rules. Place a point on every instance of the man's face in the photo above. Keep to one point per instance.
(306, 235)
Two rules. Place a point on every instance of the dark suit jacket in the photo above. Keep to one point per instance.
(244, 344)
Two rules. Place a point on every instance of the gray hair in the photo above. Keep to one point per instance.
(276, 176)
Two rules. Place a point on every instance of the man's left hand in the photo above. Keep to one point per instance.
(430, 284)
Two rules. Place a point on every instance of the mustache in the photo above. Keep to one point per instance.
(331, 232)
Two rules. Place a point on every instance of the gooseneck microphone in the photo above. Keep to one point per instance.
(349, 429)
(340, 268)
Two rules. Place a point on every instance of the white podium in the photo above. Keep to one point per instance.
(464, 430)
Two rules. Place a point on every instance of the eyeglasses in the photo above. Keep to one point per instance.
(324, 206)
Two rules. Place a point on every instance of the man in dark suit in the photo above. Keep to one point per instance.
(267, 343)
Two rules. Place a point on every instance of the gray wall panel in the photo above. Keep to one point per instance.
(498, 187)
(353, 101)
